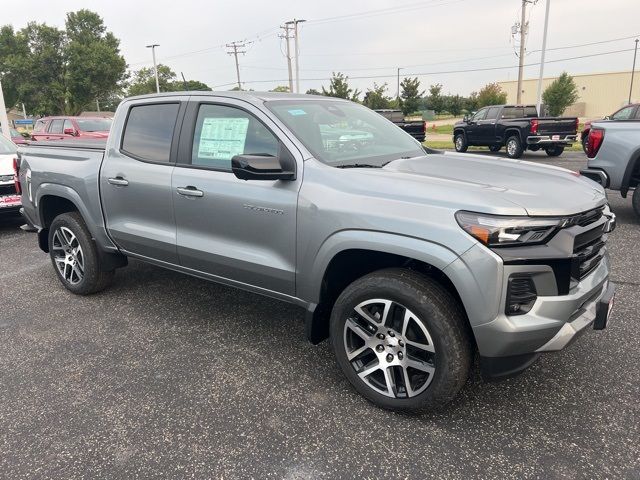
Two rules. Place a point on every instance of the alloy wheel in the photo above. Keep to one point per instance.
(512, 147)
(68, 255)
(390, 348)
(458, 142)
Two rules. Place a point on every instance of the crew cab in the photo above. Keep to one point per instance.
(613, 152)
(416, 128)
(410, 261)
(62, 128)
(516, 127)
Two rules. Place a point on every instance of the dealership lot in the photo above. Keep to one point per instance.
(164, 374)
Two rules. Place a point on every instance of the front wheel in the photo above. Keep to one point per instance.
(514, 147)
(400, 339)
(460, 142)
(75, 256)
(555, 150)
(635, 201)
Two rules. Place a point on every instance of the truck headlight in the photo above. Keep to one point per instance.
(498, 230)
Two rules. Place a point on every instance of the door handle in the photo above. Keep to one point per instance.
(190, 191)
(118, 181)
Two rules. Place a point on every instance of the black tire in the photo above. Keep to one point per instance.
(437, 310)
(460, 142)
(555, 150)
(514, 147)
(495, 148)
(635, 201)
(93, 278)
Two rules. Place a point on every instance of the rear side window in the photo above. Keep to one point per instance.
(149, 132)
(56, 126)
(39, 127)
(513, 112)
(530, 112)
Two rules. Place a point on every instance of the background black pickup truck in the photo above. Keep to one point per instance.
(518, 128)
(416, 128)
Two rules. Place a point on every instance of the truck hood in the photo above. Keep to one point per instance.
(495, 185)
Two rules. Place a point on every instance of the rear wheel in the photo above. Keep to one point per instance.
(460, 142)
(495, 148)
(75, 256)
(554, 150)
(400, 340)
(514, 147)
(635, 201)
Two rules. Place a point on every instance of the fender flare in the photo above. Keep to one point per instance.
(631, 166)
(509, 133)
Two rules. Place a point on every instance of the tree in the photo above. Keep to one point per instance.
(339, 87)
(280, 88)
(562, 92)
(144, 81)
(410, 95)
(313, 91)
(375, 98)
(471, 104)
(56, 71)
(491, 94)
(436, 101)
(454, 104)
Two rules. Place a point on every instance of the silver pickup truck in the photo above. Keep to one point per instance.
(410, 261)
(613, 150)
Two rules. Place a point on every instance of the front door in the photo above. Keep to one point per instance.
(243, 231)
(486, 128)
(472, 129)
(135, 182)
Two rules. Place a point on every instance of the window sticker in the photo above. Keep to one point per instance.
(297, 112)
(223, 138)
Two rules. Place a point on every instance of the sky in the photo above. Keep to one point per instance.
(439, 41)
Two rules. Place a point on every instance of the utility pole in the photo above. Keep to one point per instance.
(234, 46)
(544, 50)
(296, 47)
(286, 27)
(184, 82)
(523, 27)
(155, 66)
(97, 105)
(398, 91)
(24, 111)
(633, 70)
(4, 120)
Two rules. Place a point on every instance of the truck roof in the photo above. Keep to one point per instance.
(247, 96)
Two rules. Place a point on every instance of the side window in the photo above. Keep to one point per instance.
(68, 124)
(39, 126)
(223, 132)
(149, 131)
(530, 112)
(56, 126)
(480, 115)
(492, 113)
(513, 112)
(624, 114)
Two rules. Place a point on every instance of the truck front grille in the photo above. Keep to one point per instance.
(588, 251)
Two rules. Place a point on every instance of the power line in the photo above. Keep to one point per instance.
(442, 72)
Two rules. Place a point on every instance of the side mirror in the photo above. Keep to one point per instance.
(608, 117)
(465, 118)
(69, 131)
(264, 167)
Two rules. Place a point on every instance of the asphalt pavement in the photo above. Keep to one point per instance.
(164, 375)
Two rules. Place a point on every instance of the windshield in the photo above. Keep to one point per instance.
(94, 124)
(7, 147)
(343, 133)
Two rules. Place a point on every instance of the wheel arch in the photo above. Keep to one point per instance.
(633, 167)
(344, 258)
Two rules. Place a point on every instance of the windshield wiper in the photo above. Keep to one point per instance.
(358, 165)
(401, 158)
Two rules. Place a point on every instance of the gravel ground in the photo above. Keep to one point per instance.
(164, 375)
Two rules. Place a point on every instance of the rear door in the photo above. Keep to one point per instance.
(135, 180)
(243, 231)
(55, 129)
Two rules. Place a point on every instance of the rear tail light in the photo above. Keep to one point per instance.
(424, 127)
(534, 127)
(16, 175)
(594, 141)
(577, 124)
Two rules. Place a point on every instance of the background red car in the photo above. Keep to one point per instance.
(60, 128)
(628, 112)
(16, 137)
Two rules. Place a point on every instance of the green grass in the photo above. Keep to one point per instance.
(576, 147)
(442, 129)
